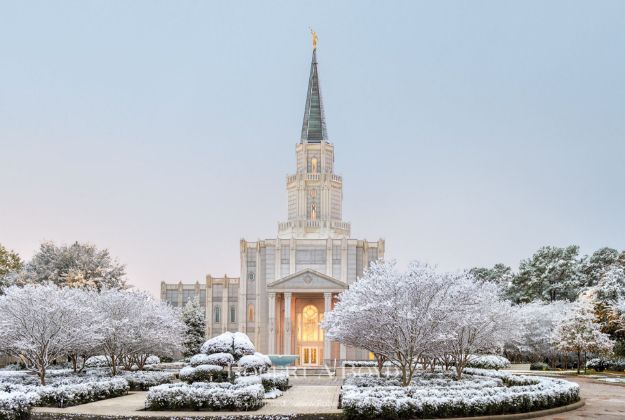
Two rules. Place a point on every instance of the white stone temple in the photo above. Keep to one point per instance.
(288, 282)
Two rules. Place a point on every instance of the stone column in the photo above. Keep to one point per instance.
(287, 322)
(242, 315)
(342, 352)
(224, 305)
(272, 323)
(326, 343)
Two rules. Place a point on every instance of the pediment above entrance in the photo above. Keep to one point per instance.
(307, 281)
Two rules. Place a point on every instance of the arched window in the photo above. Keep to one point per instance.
(217, 314)
(250, 312)
(314, 165)
(313, 212)
(233, 314)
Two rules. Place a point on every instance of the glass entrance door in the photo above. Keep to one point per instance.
(309, 356)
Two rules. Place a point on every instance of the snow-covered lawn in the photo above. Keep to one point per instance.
(480, 392)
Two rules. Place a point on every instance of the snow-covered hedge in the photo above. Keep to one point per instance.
(440, 396)
(255, 363)
(488, 361)
(142, 381)
(202, 395)
(152, 360)
(601, 364)
(237, 344)
(16, 404)
(68, 394)
(203, 373)
(372, 380)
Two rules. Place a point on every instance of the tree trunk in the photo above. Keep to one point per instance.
(42, 375)
(74, 358)
(579, 360)
(113, 367)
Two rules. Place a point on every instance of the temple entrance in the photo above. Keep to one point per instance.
(310, 356)
(309, 333)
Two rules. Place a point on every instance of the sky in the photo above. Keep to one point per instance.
(467, 133)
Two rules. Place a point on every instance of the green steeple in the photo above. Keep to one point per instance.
(314, 126)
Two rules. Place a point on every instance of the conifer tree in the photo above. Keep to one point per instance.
(193, 318)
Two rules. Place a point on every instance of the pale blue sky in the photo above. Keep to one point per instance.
(467, 133)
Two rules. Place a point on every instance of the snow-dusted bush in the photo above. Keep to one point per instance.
(439, 395)
(275, 380)
(142, 381)
(237, 344)
(254, 364)
(364, 363)
(200, 395)
(488, 361)
(18, 378)
(601, 364)
(202, 359)
(539, 366)
(97, 361)
(248, 380)
(16, 405)
(203, 373)
(220, 359)
(152, 360)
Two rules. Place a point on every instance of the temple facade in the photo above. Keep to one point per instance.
(287, 283)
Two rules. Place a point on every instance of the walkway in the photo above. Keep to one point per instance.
(299, 399)
(602, 401)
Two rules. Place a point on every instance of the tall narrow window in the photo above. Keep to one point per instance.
(314, 165)
(217, 314)
(250, 312)
(233, 314)
(313, 212)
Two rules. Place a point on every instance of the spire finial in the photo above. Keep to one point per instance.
(314, 38)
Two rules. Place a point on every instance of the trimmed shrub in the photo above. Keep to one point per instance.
(203, 373)
(152, 360)
(488, 361)
(97, 361)
(202, 395)
(237, 344)
(254, 364)
(142, 381)
(201, 359)
(539, 366)
(600, 364)
(220, 359)
(275, 381)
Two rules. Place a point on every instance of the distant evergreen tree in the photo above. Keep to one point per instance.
(551, 274)
(193, 317)
(10, 264)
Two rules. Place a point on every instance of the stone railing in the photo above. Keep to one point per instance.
(313, 177)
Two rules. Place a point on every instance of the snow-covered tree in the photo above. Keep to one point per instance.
(551, 274)
(135, 325)
(76, 265)
(499, 274)
(10, 264)
(536, 322)
(40, 323)
(398, 316)
(479, 320)
(594, 266)
(237, 344)
(579, 332)
(193, 317)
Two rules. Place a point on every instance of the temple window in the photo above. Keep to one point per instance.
(217, 314)
(250, 312)
(314, 165)
(233, 314)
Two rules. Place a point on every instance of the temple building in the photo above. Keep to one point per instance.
(288, 282)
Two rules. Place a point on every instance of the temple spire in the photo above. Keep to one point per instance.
(314, 125)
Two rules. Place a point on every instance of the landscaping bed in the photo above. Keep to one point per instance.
(439, 395)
